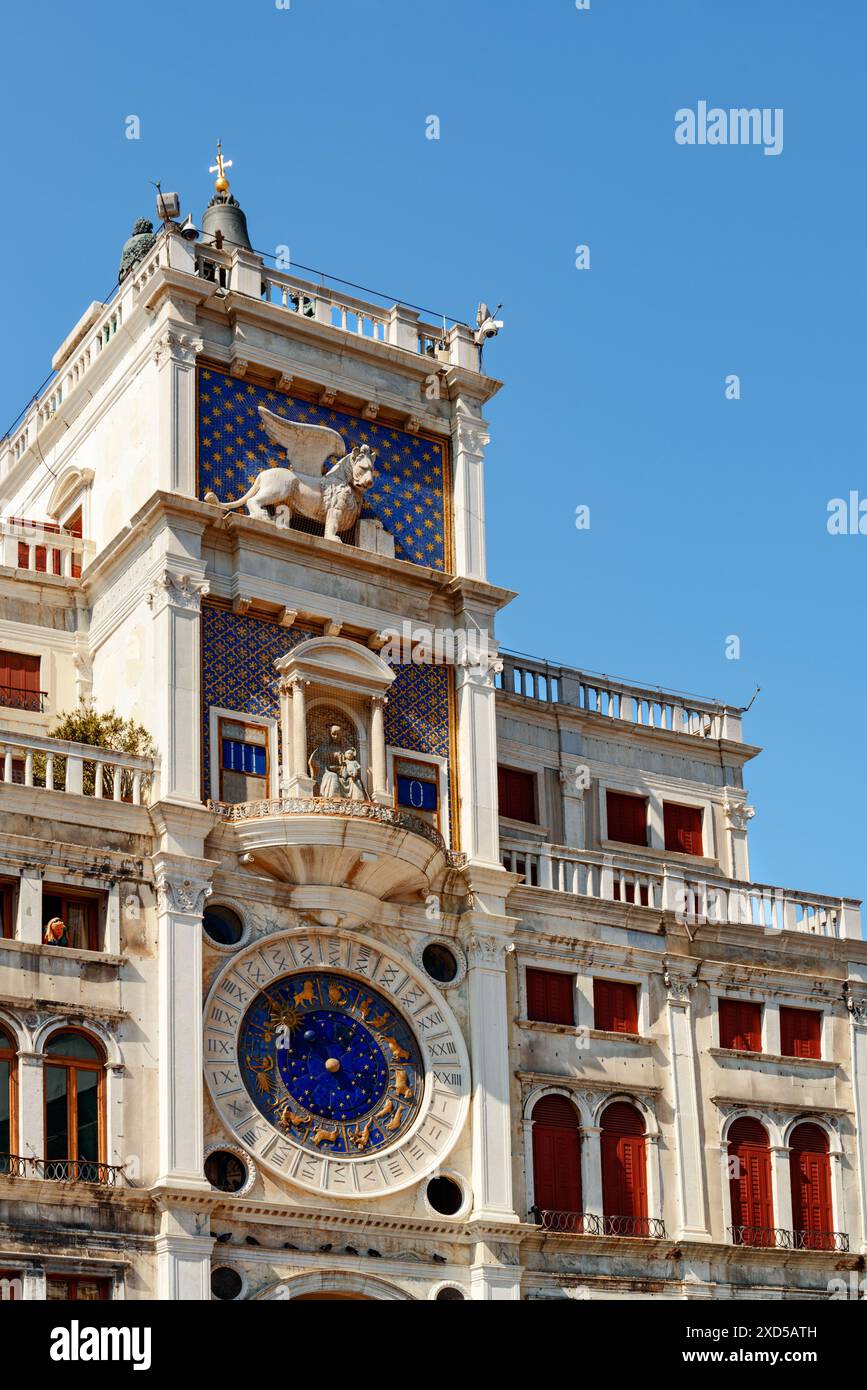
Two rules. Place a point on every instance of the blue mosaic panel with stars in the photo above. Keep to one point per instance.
(331, 1063)
(409, 494)
(238, 656)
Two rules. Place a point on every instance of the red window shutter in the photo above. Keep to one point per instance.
(624, 1162)
(800, 1032)
(627, 818)
(550, 996)
(517, 794)
(556, 1156)
(23, 555)
(55, 561)
(682, 825)
(812, 1205)
(615, 1006)
(750, 1183)
(740, 1025)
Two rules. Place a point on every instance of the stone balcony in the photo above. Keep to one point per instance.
(692, 896)
(42, 547)
(609, 698)
(369, 847)
(55, 766)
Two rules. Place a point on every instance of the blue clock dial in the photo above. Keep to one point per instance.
(331, 1063)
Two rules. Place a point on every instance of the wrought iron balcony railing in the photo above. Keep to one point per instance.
(11, 697)
(777, 1238)
(66, 1170)
(578, 1223)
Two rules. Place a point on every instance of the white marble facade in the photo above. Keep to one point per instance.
(114, 436)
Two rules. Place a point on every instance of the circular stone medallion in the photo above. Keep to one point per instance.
(335, 1062)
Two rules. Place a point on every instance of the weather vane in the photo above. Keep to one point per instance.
(221, 184)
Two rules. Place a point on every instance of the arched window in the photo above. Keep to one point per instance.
(624, 1170)
(556, 1164)
(812, 1207)
(74, 1107)
(750, 1184)
(7, 1100)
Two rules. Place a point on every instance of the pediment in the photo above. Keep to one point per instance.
(338, 663)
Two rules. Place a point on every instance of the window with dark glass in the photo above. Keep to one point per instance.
(517, 794)
(615, 1006)
(683, 828)
(627, 818)
(800, 1032)
(550, 996)
(74, 1105)
(76, 1288)
(19, 681)
(79, 913)
(243, 761)
(7, 1099)
(740, 1025)
(7, 914)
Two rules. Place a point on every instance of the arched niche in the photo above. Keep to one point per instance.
(337, 676)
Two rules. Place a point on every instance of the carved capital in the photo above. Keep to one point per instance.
(738, 814)
(183, 895)
(857, 1008)
(180, 347)
(489, 951)
(678, 986)
(177, 591)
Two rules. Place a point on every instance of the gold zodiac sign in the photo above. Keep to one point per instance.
(386, 1110)
(337, 995)
(401, 1085)
(365, 1007)
(287, 1117)
(262, 1072)
(361, 1137)
(325, 1136)
(398, 1053)
(380, 1021)
(306, 995)
(395, 1122)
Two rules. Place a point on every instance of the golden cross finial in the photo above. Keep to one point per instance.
(222, 183)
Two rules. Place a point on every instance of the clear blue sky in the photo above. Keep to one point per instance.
(708, 516)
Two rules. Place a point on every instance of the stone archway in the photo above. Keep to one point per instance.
(333, 1286)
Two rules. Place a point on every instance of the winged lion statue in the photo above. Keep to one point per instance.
(333, 498)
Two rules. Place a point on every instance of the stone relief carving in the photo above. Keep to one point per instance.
(335, 499)
(183, 347)
(179, 590)
(489, 950)
(183, 895)
(738, 815)
(678, 986)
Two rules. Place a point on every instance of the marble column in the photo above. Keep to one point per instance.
(690, 1176)
(469, 439)
(182, 887)
(491, 1110)
(477, 744)
(858, 1043)
(377, 748)
(175, 601)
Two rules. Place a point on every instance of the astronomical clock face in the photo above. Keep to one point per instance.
(330, 1059)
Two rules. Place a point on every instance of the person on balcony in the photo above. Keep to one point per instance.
(54, 932)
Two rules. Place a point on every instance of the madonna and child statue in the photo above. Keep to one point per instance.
(335, 770)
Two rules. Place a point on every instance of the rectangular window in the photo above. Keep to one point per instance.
(19, 681)
(416, 794)
(79, 915)
(7, 903)
(79, 1289)
(517, 794)
(740, 1025)
(550, 996)
(682, 826)
(244, 761)
(627, 818)
(73, 525)
(615, 1006)
(800, 1033)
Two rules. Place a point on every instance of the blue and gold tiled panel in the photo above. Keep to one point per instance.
(238, 656)
(410, 495)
